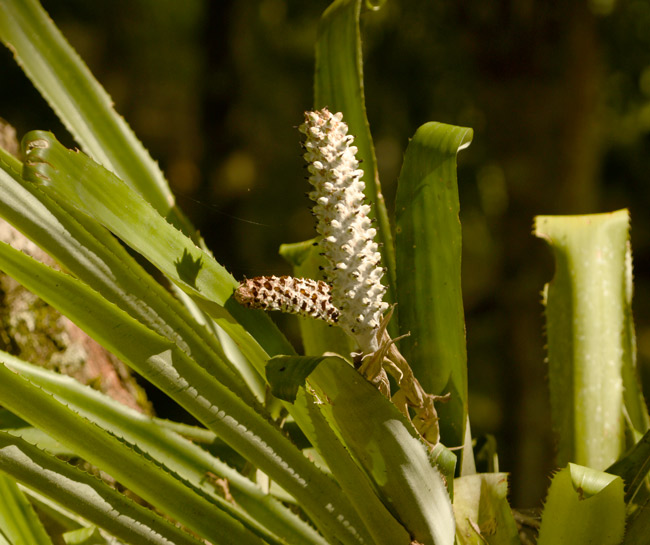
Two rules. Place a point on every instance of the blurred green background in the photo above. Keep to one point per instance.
(557, 92)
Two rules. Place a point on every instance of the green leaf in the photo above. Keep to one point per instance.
(183, 457)
(78, 99)
(286, 374)
(317, 336)
(482, 511)
(86, 536)
(18, 427)
(428, 249)
(87, 495)
(166, 366)
(18, 521)
(638, 526)
(389, 449)
(634, 467)
(584, 506)
(338, 85)
(586, 313)
(635, 406)
(56, 515)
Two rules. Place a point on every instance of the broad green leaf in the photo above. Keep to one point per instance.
(482, 511)
(338, 85)
(20, 428)
(428, 250)
(9, 420)
(638, 526)
(92, 254)
(82, 104)
(635, 405)
(18, 521)
(468, 463)
(86, 536)
(584, 506)
(317, 336)
(54, 513)
(446, 461)
(389, 449)
(140, 474)
(286, 374)
(180, 455)
(633, 467)
(87, 495)
(73, 178)
(586, 312)
(169, 368)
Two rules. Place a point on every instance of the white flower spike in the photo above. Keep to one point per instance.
(353, 269)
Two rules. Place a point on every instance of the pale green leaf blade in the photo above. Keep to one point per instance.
(389, 449)
(286, 374)
(317, 336)
(338, 85)
(638, 526)
(633, 467)
(86, 536)
(583, 506)
(635, 405)
(79, 100)
(18, 427)
(56, 514)
(482, 511)
(18, 521)
(585, 324)
(428, 250)
(87, 495)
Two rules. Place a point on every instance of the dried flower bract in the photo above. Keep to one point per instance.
(301, 296)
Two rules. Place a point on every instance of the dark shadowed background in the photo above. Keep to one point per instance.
(557, 92)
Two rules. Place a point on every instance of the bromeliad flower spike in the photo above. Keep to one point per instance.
(348, 240)
(352, 294)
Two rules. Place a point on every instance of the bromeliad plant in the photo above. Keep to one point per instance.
(371, 464)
